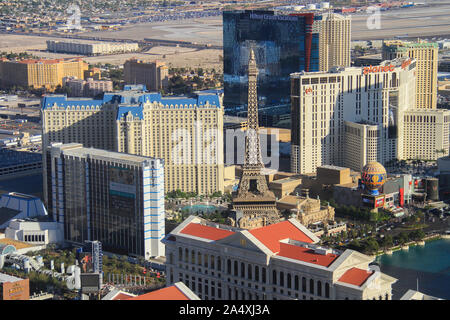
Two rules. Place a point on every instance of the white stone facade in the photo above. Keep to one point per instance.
(223, 263)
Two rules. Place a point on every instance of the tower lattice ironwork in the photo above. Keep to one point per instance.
(253, 198)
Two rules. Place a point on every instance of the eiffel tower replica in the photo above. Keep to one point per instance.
(253, 198)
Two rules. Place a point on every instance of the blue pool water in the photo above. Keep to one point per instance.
(430, 264)
(199, 208)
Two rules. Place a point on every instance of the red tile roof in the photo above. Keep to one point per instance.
(169, 293)
(206, 232)
(306, 255)
(355, 276)
(271, 235)
(122, 296)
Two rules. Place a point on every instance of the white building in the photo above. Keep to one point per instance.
(15, 205)
(426, 134)
(361, 144)
(321, 102)
(35, 232)
(90, 48)
(278, 261)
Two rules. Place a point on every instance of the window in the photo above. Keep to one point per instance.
(319, 288)
(303, 284)
(289, 280)
(274, 277)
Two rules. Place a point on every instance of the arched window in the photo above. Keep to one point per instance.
(387, 296)
(249, 272)
(186, 255)
(303, 284)
(282, 278)
(236, 268)
(199, 258)
(296, 283)
(256, 273)
(380, 298)
(213, 262)
(229, 266)
(219, 264)
(205, 260)
(192, 257)
(242, 270)
(327, 290)
(263, 271)
(311, 286)
(274, 277)
(289, 280)
(319, 288)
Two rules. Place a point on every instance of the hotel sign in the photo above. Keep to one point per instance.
(272, 17)
(376, 69)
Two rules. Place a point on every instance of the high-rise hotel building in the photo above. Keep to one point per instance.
(281, 261)
(426, 134)
(186, 132)
(334, 41)
(426, 56)
(112, 197)
(426, 129)
(154, 74)
(282, 42)
(324, 104)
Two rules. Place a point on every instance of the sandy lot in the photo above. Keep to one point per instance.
(176, 57)
(411, 22)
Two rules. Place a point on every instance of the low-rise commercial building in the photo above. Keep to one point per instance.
(91, 48)
(14, 288)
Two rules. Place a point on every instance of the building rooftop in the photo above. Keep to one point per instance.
(355, 276)
(207, 232)
(271, 235)
(76, 149)
(18, 244)
(306, 254)
(8, 278)
(133, 101)
(169, 293)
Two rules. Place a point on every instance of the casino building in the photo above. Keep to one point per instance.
(187, 132)
(346, 111)
(274, 262)
(283, 43)
(115, 198)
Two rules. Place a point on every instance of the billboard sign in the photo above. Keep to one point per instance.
(122, 191)
(17, 290)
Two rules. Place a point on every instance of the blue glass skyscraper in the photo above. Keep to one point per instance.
(283, 44)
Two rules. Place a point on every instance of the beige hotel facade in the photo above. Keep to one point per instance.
(281, 261)
(186, 132)
(324, 104)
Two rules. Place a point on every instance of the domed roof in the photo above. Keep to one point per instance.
(373, 176)
(374, 167)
